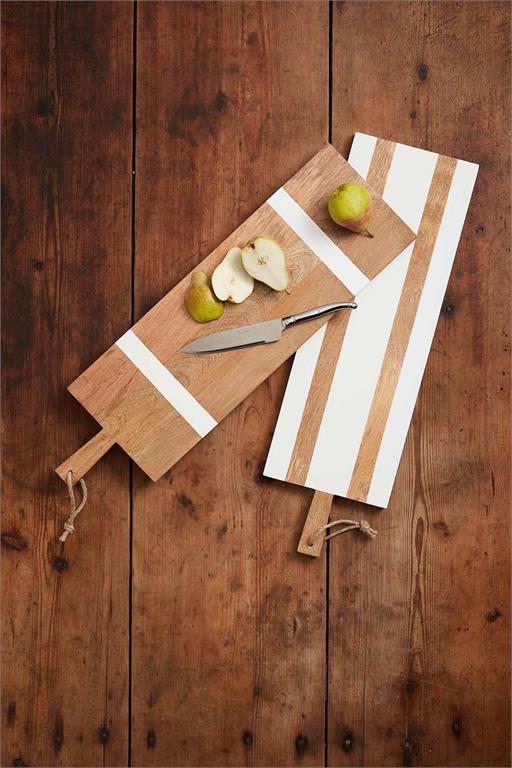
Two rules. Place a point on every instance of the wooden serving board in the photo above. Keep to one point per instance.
(353, 385)
(157, 402)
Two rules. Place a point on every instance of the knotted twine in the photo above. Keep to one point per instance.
(349, 525)
(68, 525)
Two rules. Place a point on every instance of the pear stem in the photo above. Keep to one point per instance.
(368, 233)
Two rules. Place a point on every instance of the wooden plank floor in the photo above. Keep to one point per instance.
(178, 626)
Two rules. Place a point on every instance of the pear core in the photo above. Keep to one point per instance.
(265, 260)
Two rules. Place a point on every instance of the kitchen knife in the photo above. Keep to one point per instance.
(260, 333)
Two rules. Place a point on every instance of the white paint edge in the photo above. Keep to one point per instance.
(316, 239)
(167, 384)
(408, 183)
(361, 153)
(292, 408)
(422, 334)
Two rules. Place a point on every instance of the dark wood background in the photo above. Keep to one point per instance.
(179, 627)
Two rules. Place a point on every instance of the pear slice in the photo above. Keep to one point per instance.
(265, 260)
(230, 281)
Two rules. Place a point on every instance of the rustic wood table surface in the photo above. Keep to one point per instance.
(179, 626)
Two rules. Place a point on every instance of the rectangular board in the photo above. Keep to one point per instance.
(157, 402)
(353, 385)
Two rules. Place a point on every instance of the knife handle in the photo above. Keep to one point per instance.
(312, 314)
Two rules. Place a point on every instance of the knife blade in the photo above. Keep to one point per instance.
(259, 333)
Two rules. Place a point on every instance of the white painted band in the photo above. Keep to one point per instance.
(292, 408)
(167, 384)
(316, 239)
(361, 153)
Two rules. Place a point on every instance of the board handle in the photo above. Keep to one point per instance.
(86, 456)
(318, 516)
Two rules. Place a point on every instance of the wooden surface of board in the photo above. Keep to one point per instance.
(156, 401)
(230, 648)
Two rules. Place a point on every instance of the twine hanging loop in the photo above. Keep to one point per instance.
(348, 525)
(68, 525)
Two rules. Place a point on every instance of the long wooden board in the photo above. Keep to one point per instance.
(66, 273)
(157, 402)
(353, 386)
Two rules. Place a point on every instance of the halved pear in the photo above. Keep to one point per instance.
(265, 260)
(230, 281)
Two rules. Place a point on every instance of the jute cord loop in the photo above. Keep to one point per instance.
(68, 525)
(349, 525)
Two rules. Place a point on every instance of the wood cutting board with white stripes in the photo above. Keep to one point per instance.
(353, 385)
(157, 402)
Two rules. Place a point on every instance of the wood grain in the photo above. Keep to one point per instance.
(419, 641)
(130, 409)
(402, 327)
(228, 633)
(380, 164)
(316, 400)
(66, 167)
(318, 516)
(86, 457)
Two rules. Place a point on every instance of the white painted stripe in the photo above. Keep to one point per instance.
(355, 379)
(361, 153)
(367, 336)
(408, 182)
(422, 334)
(316, 239)
(167, 384)
(292, 408)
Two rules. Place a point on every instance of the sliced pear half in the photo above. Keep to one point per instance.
(265, 260)
(230, 281)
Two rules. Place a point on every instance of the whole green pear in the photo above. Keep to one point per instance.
(350, 206)
(200, 301)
